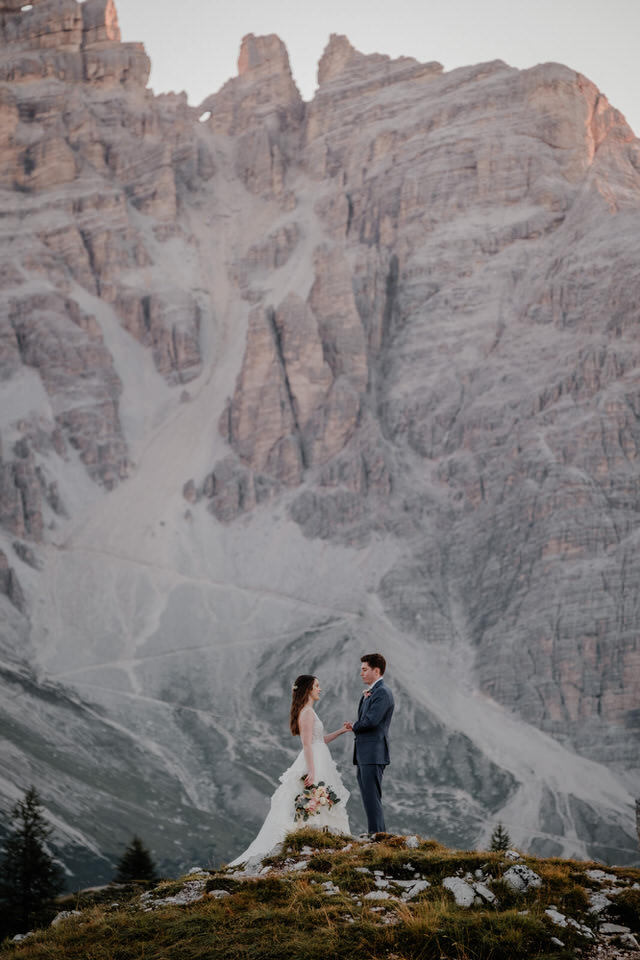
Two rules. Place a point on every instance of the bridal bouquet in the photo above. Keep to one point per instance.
(313, 799)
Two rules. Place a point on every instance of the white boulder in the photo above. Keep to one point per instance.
(521, 878)
(377, 895)
(416, 888)
(463, 892)
(64, 915)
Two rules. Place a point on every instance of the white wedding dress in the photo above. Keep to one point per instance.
(281, 817)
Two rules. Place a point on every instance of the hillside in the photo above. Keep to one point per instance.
(325, 896)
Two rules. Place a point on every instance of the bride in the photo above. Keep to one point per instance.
(315, 761)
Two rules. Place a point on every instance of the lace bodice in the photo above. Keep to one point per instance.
(318, 727)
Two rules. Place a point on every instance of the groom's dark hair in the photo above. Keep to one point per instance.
(375, 660)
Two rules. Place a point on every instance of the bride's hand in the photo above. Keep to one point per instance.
(308, 780)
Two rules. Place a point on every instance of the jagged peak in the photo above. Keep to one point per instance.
(341, 60)
(263, 56)
(337, 54)
(100, 22)
(264, 86)
(64, 24)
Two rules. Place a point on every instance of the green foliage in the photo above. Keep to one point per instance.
(135, 864)
(500, 839)
(29, 878)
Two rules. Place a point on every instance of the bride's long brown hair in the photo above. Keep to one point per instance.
(299, 696)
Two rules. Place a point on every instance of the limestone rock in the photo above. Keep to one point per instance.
(64, 916)
(24, 491)
(304, 371)
(109, 157)
(307, 374)
(266, 256)
(613, 928)
(483, 891)
(416, 888)
(234, 489)
(262, 109)
(560, 920)
(263, 89)
(521, 878)
(332, 301)
(54, 23)
(261, 419)
(10, 585)
(99, 22)
(66, 348)
(288, 411)
(463, 892)
(372, 895)
(169, 323)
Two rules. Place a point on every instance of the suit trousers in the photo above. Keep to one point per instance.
(370, 783)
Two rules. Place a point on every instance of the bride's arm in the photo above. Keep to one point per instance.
(305, 722)
(336, 733)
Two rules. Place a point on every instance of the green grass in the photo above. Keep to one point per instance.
(288, 916)
(316, 839)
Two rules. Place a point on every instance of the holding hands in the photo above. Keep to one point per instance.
(348, 725)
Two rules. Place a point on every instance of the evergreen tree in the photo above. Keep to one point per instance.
(29, 879)
(135, 864)
(500, 839)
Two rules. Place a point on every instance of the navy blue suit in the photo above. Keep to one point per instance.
(371, 750)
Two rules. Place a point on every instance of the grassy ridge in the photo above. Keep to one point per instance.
(289, 915)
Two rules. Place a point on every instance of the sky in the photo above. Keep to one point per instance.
(194, 44)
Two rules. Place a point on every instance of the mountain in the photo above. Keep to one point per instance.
(283, 383)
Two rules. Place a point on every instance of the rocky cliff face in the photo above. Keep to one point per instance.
(283, 382)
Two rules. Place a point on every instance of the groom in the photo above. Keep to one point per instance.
(371, 729)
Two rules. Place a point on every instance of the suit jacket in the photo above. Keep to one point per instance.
(371, 729)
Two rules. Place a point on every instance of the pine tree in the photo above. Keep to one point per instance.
(500, 839)
(135, 864)
(29, 878)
